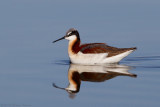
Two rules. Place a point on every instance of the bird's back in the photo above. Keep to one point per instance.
(95, 48)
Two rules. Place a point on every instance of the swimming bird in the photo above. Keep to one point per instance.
(92, 53)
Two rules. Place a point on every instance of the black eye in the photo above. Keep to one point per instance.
(69, 34)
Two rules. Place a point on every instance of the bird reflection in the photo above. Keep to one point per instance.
(78, 73)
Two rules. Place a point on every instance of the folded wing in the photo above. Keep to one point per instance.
(95, 48)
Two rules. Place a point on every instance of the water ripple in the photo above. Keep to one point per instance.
(62, 62)
(144, 61)
(143, 58)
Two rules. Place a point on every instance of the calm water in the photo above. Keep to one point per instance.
(32, 69)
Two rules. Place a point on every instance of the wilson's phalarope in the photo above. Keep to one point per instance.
(93, 53)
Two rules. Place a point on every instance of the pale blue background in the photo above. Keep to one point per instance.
(28, 58)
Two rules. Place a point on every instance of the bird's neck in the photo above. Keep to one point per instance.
(74, 46)
(74, 81)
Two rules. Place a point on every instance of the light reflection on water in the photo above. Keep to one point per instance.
(95, 73)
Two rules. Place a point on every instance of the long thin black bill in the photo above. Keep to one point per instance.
(58, 39)
(54, 85)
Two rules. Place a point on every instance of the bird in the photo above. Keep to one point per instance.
(92, 53)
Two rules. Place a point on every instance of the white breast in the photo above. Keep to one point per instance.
(93, 59)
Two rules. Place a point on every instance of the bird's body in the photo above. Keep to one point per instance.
(93, 53)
